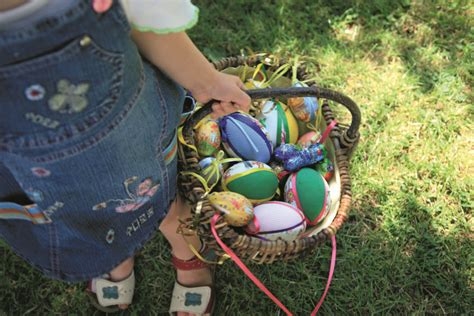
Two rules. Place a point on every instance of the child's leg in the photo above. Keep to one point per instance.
(179, 246)
(121, 272)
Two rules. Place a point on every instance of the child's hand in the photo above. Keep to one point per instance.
(226, 89)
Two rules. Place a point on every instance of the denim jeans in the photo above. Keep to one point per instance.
(88, 162)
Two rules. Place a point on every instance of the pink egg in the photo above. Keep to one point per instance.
(309, 139)
(277, 220)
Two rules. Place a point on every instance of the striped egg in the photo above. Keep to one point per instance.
(279, 122)
(309, 192)
(237, 210)
(244, 137)
(253, 179)
(277, 220)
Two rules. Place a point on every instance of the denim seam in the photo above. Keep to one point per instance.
(161, 160)
(62, 54)
(120, 17)
(46, 24)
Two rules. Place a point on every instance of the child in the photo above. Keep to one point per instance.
(88, 135)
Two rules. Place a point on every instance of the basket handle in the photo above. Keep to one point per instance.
(312, 91)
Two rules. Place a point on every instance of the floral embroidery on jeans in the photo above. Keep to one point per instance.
(34, 195)
(70, 98)
(143, 193)
(35, 92)
(110, 236)
(40, 172)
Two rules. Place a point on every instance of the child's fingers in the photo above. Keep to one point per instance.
(222, 108)
(241, 99)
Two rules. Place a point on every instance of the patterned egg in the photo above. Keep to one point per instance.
(244, 137)
(237, 210)
(326, 168)
(309, 192)
(253, 179)
(207, 136)
(274, 220)
(308, 139)
(305, 108)
(279, 122)
(209, 172)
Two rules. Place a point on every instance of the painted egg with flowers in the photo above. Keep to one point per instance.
(308, 139)
(236, 208)
(304, 108)
(207, 136)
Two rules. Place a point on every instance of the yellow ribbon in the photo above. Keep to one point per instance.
(258, 70)
(212, 170)
(283, 69)
(317, 122)
(182, 141)
(221, 259)
(200, 179)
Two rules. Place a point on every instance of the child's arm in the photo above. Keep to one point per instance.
(179, 58)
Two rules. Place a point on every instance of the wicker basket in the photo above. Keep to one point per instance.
(340, 144)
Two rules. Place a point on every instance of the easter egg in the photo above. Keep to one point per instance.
(244, 137)
(309, 192)
(253, 179)
(237, 209)
(309, 139)
(277, 220)
(209, 171)
(325, 168)
(304, 108)
(207, 136)
(279, 122)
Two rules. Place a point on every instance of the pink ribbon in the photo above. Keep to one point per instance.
(327, 131)
(258, 283)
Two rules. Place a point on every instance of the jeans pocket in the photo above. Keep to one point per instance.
(51, 98)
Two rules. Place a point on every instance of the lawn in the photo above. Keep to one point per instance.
(407, 247)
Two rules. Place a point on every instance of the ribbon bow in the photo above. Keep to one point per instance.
(213, 170)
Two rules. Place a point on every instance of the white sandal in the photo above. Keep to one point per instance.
(105, 293)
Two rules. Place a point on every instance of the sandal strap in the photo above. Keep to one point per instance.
(196, 300)
(193, 264)
(113, 293)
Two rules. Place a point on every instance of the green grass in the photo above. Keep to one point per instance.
(407, 247)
